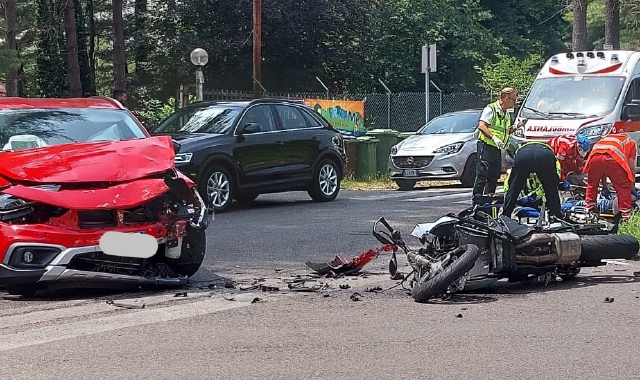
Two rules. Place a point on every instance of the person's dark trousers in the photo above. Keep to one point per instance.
(488, 169)
(534, 158)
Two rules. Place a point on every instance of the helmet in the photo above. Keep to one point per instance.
(584, 144)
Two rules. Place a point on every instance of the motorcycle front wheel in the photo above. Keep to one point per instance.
(466, 257)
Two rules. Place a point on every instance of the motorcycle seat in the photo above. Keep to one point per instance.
(518, 232)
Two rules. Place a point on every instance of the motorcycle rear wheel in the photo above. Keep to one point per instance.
(601, 247)
(467, 255)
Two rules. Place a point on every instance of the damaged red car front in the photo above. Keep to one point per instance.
(89, 199)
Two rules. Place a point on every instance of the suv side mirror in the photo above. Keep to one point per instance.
(516, 107)
(250, 128)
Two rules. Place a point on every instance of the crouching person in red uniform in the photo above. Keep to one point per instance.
(614, 156)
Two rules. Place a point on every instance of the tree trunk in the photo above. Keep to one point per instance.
(141, 31)
(579, 35)
(92, 43)
(73, 65)
(612, 23)
(119, 60)
(83, 55)
(10, 36)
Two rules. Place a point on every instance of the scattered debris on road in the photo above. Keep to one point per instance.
(608, 299)
(180, 294)
(459, 316)
(126, 305)
(341, 265)
(345, 286)
(374, 289)
(355, 296)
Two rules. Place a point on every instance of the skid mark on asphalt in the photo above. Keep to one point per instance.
(60, 331)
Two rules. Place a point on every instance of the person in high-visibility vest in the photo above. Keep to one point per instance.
(571, 151)
(494, 132)
(533, 192)
(613, 156)
(539, 158)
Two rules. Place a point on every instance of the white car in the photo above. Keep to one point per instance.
(443, 149)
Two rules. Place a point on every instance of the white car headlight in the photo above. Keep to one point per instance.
(595, 130)
(519, 132)
(183, 158)
(394, 149)
(449, 149)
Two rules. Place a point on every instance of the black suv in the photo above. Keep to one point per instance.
(240, 149)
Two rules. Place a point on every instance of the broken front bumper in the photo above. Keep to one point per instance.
(35, 254)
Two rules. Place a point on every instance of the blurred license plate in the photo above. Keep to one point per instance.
(410, 173)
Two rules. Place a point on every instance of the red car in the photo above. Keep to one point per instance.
(88, 198)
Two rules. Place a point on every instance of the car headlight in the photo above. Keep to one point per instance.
(394, 149)
(519, 132)
(595, 130)
(449, 149)
(183, 158)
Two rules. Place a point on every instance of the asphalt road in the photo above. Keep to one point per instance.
(527, 331)
(289, 229)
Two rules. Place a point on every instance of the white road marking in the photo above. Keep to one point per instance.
(22, 318)
(402, 194)
(441, 197)
(135, 318)
(616, 262)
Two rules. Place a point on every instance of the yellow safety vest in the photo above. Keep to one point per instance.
(499, 126)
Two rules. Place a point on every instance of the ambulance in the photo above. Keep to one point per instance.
(588, 92)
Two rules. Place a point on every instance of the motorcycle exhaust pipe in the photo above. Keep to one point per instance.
(538, 238)
(549, 258)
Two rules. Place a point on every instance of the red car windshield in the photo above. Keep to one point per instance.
(35, 128)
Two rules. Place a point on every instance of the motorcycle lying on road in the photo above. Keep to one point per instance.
(473, 250)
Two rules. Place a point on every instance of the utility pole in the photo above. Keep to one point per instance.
(257, 47)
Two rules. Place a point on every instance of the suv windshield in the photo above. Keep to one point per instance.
(34, 128)
(211, 119)
(465, 122)
(572, 96)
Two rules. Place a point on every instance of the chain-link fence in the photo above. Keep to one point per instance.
(403, 112)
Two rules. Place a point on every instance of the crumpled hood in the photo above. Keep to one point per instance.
(112, 161)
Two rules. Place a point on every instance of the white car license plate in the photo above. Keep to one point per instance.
(410, 173)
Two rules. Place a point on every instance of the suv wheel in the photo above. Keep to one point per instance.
(217, 184)
(326, 182)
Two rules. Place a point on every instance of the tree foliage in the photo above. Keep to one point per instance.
(508, 71)
(349, 45)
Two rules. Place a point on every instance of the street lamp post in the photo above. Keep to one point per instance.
(199, 58)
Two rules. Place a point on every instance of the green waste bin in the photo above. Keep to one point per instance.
(388, 138)
(366, 157)
(350, 150)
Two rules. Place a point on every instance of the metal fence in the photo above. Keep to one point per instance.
(403, 112)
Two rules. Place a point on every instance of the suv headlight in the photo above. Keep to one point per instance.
(394, 149)
(449, 149)
(183, 158)
(519, 132)
(597, 130)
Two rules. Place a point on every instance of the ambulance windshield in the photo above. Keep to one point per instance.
(572, 97)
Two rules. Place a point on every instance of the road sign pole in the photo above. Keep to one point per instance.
(426, 96)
